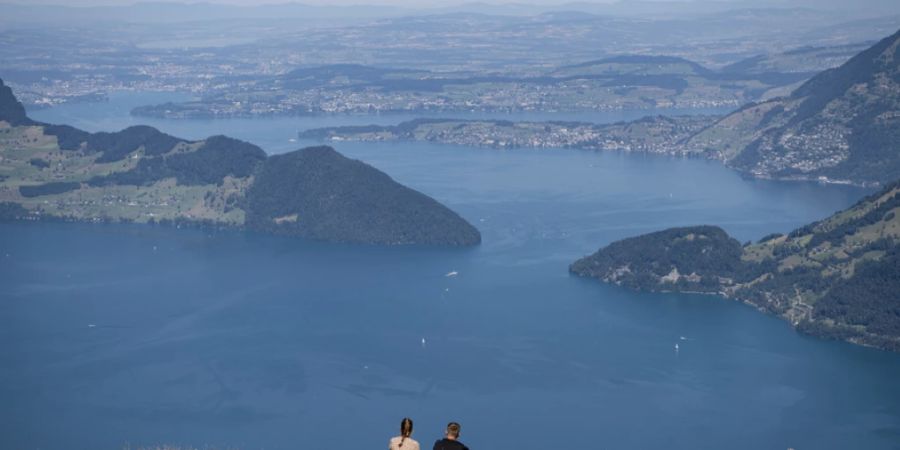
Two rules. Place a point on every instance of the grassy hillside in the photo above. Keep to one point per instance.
(809, 60)
(842, 125)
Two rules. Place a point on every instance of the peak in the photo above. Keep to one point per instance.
(11, 110)
(140, 129)
(895, 36)
(634, 58)
(320, 151)
(309, 154)
(220, 139)
(881, 57)
(318, 193)
(225, 144)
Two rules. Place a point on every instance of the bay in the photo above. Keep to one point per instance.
(115, 334)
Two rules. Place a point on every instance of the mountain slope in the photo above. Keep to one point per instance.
(11, 110)
(841, 125)
(139, 174)
(315, 192)
(811, 60)
(836, 278)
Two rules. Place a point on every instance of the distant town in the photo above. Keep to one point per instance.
(657, 134)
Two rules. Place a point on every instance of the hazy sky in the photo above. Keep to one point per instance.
(856, 5)
(419, 3)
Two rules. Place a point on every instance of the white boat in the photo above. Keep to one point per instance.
(452, 274)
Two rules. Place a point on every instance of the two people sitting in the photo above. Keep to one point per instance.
(406, 442)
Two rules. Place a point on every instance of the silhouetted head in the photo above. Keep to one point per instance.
(406, 428)
(453, 430)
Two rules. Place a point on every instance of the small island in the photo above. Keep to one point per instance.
(142, 175)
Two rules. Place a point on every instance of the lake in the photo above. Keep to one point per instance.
(274, 134)
(128, 334)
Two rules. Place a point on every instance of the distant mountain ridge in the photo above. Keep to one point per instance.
(642, 60)
(139, 174)
(625, 81)
(842, 125)
(806, 59)
(838, 278)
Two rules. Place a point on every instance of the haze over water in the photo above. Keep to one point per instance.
(250, 341)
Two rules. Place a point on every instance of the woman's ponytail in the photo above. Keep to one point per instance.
(406, 428)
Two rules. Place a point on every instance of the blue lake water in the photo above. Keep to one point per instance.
(247, 341)
(274, 133)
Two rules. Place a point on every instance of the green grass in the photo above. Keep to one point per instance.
(162, 200)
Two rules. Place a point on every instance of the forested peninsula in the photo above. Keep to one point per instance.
(837, 278)
(140, 174)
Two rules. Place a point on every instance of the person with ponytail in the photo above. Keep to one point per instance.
(404, 441)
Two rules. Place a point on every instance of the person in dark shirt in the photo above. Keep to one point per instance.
(451, 439)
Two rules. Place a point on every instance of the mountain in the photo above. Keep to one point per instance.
(11, 110)
(837, 278)
(140, 174)
(842, 125)
(318, 193)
